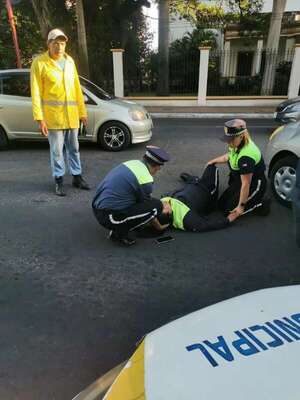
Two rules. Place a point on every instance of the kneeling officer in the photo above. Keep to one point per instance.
(123, 199)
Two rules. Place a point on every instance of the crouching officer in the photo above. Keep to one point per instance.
(247, 181)
(192, 204)
(123, 199)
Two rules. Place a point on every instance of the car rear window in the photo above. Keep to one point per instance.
(15, 85)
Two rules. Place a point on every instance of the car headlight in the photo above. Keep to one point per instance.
(275, 132)
(137, 115)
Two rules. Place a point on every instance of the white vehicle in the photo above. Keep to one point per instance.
(113, 123)
(283, 152)
(244, 348)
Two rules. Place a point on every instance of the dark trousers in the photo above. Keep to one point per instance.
(200, 194)
(123, 221)
(230, 198)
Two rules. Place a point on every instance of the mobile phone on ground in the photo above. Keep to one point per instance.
(164, 239)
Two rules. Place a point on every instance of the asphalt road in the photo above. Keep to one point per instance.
(73, 304)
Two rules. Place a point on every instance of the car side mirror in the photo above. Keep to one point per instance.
(85, 98)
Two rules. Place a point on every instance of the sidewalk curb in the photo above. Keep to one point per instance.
(212, 115)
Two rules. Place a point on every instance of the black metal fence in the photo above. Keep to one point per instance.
(248, 73)
(142, 79)
(230, 73)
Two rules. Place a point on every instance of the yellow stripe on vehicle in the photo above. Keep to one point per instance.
(275, 132)
(129, 385)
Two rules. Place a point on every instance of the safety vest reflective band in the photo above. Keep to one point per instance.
(59, 103)
(179, 210)
(249, 150)
(140, 170)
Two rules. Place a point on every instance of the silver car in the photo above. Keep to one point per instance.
(283, 152)
(113, 123)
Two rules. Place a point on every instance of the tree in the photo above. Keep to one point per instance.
(82, 45)
(163, 48)
(41, 9)
(272, 46)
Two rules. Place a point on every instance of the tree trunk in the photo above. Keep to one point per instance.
(272, 47)
(41, 10)
(163, 48)
(82, 45)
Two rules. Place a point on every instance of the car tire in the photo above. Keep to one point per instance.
(114, 136)
(3, 139)
(283, 179)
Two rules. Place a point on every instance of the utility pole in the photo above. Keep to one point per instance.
(14, 32)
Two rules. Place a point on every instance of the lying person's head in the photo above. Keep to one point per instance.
(166, 217)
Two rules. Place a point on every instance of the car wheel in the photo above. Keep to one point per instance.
(3, 139)
(283, 179)
(114, 136)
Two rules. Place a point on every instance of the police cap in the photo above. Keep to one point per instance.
(233, 128)
(157, 155)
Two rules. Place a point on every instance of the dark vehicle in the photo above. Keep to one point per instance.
(288, 111)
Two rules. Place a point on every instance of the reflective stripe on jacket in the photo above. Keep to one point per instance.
(56, 94)
(141, 172)
(249, 150)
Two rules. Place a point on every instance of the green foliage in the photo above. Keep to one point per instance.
(220, 14)
(29, 38)
(109, 24)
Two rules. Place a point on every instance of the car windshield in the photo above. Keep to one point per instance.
(96, 90)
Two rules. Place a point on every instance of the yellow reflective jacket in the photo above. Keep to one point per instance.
(56, 94)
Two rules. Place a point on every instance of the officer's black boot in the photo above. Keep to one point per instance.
(124, 240)
(59, 188)
(80, 183)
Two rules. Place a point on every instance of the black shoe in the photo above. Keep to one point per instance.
(113, 236)
(265, 208)
(185, 176)
(80, 183)
(59, 189)
(125, 241)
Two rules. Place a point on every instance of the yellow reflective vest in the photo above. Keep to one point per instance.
(56, 94)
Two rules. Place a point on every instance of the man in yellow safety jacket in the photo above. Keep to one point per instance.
(58, 107)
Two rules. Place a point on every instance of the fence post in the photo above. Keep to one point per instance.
(226, 59)
(294, 83)
(203, 74)
(257, 58)
(118, 72)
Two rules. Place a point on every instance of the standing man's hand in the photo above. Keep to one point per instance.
(43, 128)
(84, 120)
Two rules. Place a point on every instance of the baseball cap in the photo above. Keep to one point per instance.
(56, 33)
